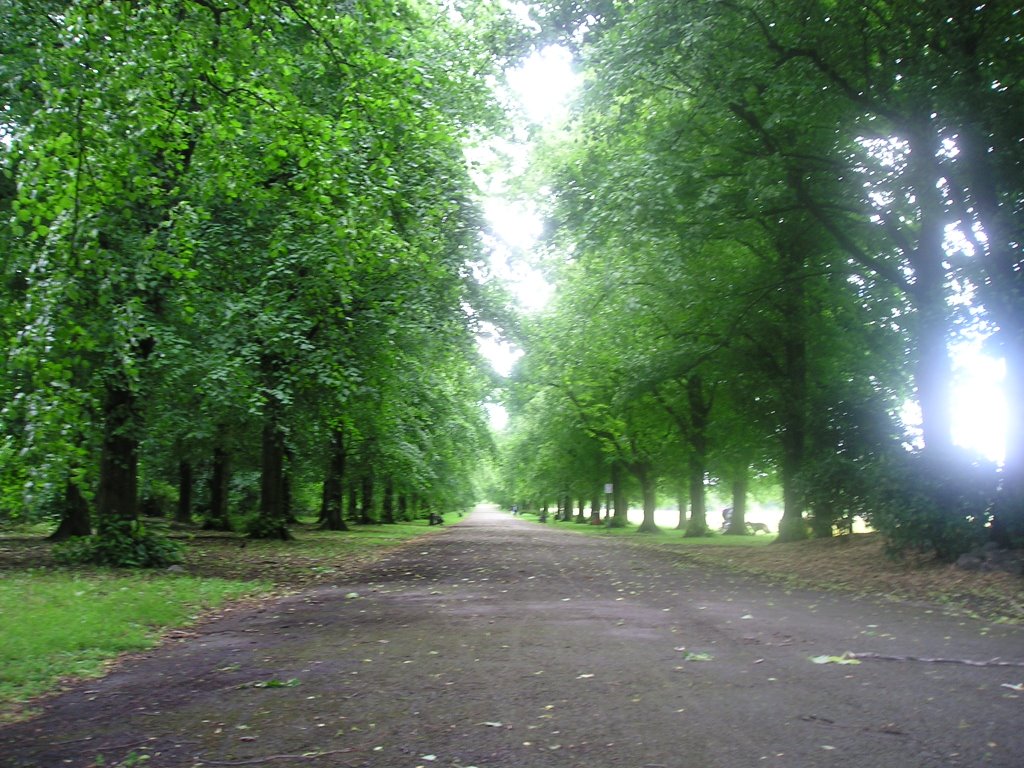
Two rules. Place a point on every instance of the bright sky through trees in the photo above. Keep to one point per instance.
(542, 87)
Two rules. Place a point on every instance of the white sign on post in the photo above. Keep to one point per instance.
(608, 488)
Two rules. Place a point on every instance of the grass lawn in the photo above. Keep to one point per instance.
(63, 623)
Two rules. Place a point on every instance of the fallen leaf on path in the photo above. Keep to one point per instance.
(1014, 686)
(832, 660)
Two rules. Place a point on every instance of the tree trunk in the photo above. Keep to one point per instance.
(273, 489)
(682, 504)
(699, 406)
(793, 406)
(698, 522)
(1002, 294)
(74, 515)
(738, 523)
(333, 482)
(116, 498)
(388, 502)
(581, 506)
(620, 518)
(366, 510)
(1008, 521)
(288, 496)
(352, 507)
(595, 508)
(183, 512)
(647, 485)
(403, 507)
(792, 526)
(217, 517)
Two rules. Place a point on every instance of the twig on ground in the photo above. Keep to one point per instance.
(271, 758)
(969, 662)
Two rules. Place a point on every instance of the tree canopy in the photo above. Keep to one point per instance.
(773, 220)
(243, 259)
(242, 231)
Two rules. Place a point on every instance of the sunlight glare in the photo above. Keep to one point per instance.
(979, 410)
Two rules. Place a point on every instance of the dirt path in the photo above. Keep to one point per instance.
(502, 643)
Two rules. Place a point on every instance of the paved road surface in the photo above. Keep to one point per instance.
(500, 643)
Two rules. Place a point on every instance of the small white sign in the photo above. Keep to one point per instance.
(608, 488)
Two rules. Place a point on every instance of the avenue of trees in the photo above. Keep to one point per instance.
(769, 222)
(241, 257)
(242, 268)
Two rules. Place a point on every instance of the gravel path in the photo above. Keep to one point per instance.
(500, 643)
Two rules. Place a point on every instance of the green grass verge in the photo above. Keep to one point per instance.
(60, 624)
(65, 624)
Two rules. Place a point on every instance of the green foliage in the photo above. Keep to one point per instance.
(928, 504)
(260, 527)
(270, 237)
(121, 544)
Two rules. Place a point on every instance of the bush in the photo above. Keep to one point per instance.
(937, 504)
(121, 544)
(260, 527)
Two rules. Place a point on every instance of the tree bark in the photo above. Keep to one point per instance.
(74, 515)
(117, 496)
(793, 405)
(643, 474)
(620, 509)
(738, 521)
(934, 369)
(334, 480)
(1008, 520)
(366, 510)
(352, 507)
(273, 508)
(388, 502)
(699, 407)
(183, 512)
(682, 504)
(217, 517)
